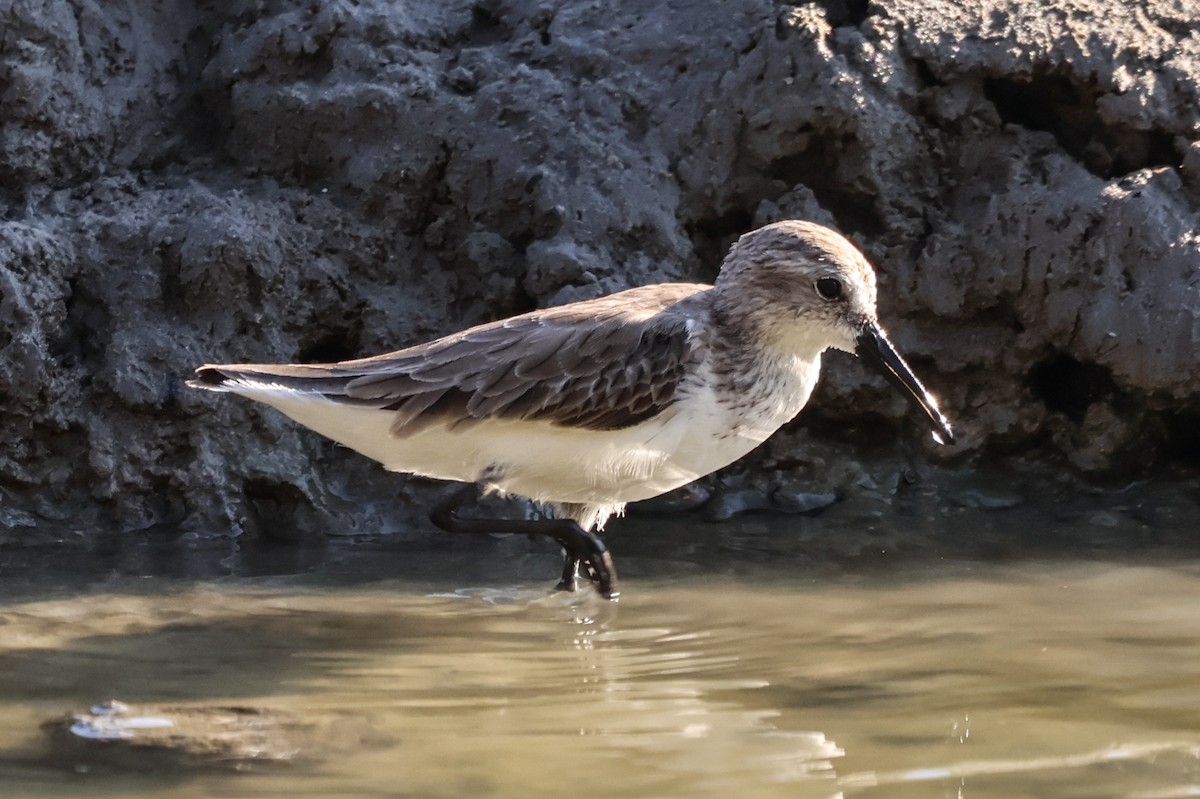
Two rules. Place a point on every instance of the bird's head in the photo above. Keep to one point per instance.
(807, 289)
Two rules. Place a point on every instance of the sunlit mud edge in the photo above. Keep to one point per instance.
(984, 767)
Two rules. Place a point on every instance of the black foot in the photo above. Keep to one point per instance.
(585, 551)
(597, 567)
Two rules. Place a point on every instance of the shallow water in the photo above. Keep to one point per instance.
(744, 660)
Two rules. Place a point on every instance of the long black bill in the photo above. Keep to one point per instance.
(875, 349)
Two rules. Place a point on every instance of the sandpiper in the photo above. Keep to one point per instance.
(589, 406)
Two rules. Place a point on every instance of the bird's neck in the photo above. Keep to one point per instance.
(764, 362)
(761, 336)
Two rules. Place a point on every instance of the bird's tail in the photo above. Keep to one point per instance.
(250, 378)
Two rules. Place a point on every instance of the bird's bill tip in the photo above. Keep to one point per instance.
(875, 349)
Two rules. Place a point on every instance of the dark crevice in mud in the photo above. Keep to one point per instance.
(817, 168)
(846, 13)
(521, 301)
(431, 194)
(88, 329)
(271, 509)
(206, 123)
(316, 165)
(1181, 439)
(540, 22)
(521, 239)
(1181, 27)
(341, 344)
(869, 433)
(1069, 386)
(175, 297)
(487, 24)
(1066, 108)
(317, 65)
(11, 198)
(165, 504)
(711, 237)
(637, 116)
(926, 74)
(200, 117)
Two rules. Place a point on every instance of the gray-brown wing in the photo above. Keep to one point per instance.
(602, 375)
(602, 365)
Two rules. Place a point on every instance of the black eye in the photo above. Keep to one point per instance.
(829, 287)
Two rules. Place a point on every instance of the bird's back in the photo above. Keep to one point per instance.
(550, 404)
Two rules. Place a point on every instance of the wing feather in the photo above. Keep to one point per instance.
(602, 365)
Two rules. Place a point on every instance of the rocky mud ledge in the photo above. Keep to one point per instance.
(184, 182)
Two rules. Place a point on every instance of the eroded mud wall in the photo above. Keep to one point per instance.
(287, 181)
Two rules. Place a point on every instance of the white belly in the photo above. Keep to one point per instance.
(552, 464)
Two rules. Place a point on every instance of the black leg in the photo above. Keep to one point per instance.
(583, 548)
(570, 573)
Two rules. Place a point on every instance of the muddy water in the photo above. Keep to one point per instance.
(737, 663)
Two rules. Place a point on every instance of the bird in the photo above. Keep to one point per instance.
(586, 407)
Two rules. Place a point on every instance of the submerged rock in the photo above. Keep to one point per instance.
(164, 737)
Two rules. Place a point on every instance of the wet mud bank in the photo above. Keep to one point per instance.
(182, 183)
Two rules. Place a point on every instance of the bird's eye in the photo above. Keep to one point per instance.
(829, 287)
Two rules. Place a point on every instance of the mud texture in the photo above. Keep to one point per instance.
(278, 181)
